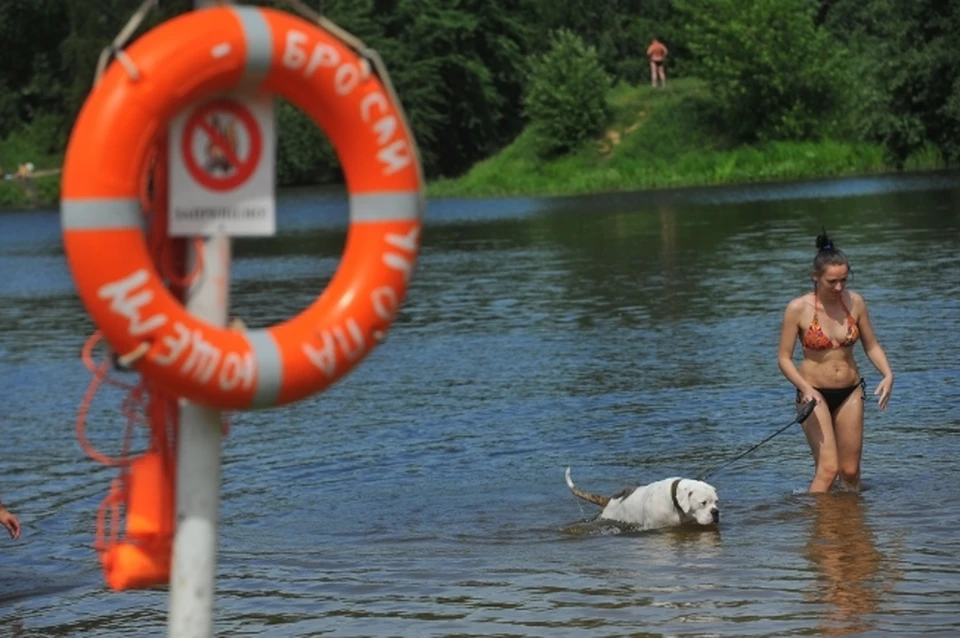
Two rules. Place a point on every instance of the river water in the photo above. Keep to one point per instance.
(630, 336)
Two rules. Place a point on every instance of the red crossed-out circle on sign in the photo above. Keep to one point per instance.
(236, 170)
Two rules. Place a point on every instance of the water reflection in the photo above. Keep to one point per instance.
(668, 236)
(842, 548)
(13, 628)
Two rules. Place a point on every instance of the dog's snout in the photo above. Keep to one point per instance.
(715, 513)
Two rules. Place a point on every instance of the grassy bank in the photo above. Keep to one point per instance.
(658, 139)
(42, 191)
(19, 148)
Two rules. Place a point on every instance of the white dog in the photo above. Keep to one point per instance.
(665, 503)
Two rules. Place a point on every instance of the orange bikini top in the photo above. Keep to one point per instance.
(815, 339)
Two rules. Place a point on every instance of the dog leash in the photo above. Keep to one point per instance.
(802, 416)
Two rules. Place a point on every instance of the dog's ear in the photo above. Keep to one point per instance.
(685, 495)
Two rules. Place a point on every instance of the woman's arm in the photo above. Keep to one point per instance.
(876, 355)
(788, 340)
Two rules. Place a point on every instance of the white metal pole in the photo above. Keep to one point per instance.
(194, 561)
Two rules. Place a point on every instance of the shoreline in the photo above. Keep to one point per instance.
(680, 186)
(661, 191)
(514, 173)
(654, 141)
(665, 192)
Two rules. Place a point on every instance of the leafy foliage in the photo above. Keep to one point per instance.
(859, 70)
(457, 66)
(304, 155)
(774, 74)
(620, 30)
(911, 67)
(29, 80)
(567, 94)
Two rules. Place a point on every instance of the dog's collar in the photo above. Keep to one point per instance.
(673, 495)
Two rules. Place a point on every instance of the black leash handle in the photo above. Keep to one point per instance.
(802, 416)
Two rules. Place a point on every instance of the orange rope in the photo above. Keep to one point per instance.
(86, 355)
(143, 404)
(81, 424)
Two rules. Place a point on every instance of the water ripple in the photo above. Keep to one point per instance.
(630, 336)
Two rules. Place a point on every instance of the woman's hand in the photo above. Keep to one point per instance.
(811, 395)
(884, 389)
(10, 521)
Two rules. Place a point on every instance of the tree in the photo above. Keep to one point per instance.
(304, 154)
(620, 30)
(567, 95)
(914, 99)
(457, 67)
(29, 81)
(773, 73)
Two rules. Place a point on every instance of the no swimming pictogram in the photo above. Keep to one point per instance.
(221, 144)
(222, 167)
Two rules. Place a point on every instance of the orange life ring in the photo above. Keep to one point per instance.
(200, 55)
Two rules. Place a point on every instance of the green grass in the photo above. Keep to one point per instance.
(658, 139)
(14, 194)
(21, 147)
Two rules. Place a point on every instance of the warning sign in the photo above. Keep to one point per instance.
(222, 167)
(221, 145)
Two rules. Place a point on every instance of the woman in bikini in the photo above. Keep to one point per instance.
(828, 322)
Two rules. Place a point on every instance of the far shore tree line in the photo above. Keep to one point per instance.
(472, 74)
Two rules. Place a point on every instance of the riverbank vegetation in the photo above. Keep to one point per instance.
(552, 96)
(658, 139)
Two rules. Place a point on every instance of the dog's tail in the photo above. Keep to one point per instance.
(596, 499)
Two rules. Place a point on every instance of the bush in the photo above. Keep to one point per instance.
(775, 74)
(566, 98)
(304, 154)
(39, 142)
(43, 191)
(915, 65)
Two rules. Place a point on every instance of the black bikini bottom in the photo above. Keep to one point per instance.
(836, 396)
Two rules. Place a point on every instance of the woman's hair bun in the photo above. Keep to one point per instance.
(824, 242)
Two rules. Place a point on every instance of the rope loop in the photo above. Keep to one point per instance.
(115, 49)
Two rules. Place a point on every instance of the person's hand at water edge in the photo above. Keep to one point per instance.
(10, 522)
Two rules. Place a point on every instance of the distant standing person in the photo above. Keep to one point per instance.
(657, 53)
(10, 522)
